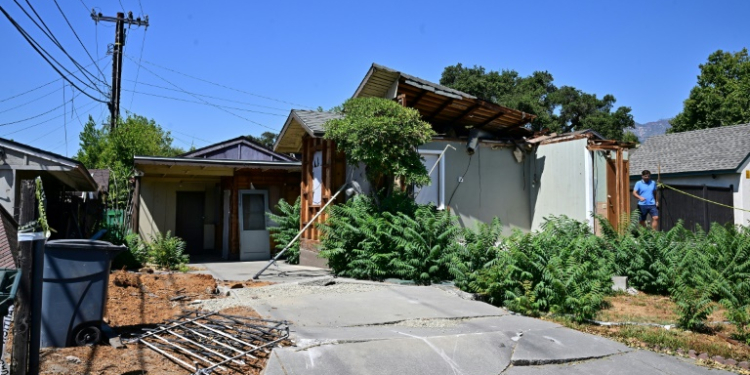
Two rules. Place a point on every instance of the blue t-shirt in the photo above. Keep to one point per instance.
(646, 190)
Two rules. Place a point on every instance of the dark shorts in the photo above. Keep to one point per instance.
(648, 209)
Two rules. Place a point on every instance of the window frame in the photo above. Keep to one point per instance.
(441, 179)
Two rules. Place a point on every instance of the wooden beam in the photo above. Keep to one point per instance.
(493, 118)
(436, 112)
(467, 113)
(401, 99)
(418, 98)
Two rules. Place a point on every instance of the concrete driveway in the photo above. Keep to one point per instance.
(280, 272)
(345, 326)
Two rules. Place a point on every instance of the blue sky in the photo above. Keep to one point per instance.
(645, 53)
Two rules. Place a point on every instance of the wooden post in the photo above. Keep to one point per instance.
(22, 318)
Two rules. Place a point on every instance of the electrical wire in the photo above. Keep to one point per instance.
(227, 87)
(56, 42)
(206, 102)
(191, 135)
(39, 50)
(31, 101)
(138, 69)
(33, 117)
(461, 181)
(41, 123)
(78, 38)
(37, 88)
(85, 6)
(212, 97)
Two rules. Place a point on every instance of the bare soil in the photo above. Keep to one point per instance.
(135, 300)
(646, 308)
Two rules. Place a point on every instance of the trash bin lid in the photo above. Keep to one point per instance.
(84, 244)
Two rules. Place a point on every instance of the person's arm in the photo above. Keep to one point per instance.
(635, 193)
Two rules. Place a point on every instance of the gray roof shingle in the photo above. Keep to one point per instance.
(721, 149)
(314, 120)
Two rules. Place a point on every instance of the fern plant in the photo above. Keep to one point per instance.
(167, 251)
(287, 227)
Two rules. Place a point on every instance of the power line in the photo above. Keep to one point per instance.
(227, 87)
(39, 50)
(35, 116)
(138, 69)
(191, 136)
(209, 103)
(213, 97)
(79, 39)
(204, 103)
(43, 122)
(56, 42)
(31, 101)
(36, 88)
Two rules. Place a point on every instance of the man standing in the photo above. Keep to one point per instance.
(645, 190)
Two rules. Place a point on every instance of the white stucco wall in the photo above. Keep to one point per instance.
(562, 182)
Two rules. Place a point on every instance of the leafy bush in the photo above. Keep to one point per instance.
(137, 248)
(166, 251)
(562, 269)
(288, 225)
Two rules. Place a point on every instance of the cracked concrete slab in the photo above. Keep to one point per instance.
(635, 362)
(386, 305)
(560, 345)
(470, 354)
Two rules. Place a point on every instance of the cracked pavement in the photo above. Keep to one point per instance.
(355, 327)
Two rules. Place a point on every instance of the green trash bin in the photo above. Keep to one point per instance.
(74, 295)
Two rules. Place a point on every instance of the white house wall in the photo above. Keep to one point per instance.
(493, 185)
(562, 182)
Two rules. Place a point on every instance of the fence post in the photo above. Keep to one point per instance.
(22, 321)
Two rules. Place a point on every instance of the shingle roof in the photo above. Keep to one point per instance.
(721, 149)
(8, 237)
(101, 176)
(314, 120)
(427, 85)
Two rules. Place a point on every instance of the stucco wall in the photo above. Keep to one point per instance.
(561, 182)
(158, 206)
(493, 185)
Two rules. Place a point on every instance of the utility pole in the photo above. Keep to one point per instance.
(120, 21)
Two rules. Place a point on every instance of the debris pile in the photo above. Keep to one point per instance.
(205, 343)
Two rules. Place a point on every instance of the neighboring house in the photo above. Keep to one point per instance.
(61, 177)
(8, 239)
(710, 163)
(496, 168)
(215, 198)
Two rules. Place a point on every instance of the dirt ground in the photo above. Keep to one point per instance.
(136, 300)
(646, 308)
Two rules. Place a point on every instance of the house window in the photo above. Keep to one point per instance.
(434, 192)
(317, 173)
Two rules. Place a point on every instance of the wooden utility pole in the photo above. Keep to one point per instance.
(22, 317)
(120, 21)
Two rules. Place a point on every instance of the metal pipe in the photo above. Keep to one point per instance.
(207, 370)
(225, 335)
(204, 348)
(188, 352)
(333, 198)
(179, 361)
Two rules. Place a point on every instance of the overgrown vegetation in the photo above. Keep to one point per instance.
(163, 251)
(561, 269)
(287, 226)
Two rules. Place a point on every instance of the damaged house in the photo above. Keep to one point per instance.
(492, 165)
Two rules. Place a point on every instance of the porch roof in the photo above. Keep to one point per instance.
(299, 123)
(183, 167)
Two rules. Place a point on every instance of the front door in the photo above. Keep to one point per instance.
(254, 239)
(189, 220)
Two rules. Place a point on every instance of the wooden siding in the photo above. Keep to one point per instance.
(279, 184)
(333, 177)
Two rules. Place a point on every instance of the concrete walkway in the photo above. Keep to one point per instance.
(344, 326)
(280, 272)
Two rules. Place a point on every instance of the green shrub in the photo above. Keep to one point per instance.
(166, 251)
(137, 248)
(288, 225)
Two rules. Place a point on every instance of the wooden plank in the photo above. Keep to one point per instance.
(436, 112)
(22, 314)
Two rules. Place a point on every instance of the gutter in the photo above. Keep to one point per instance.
(215, 162)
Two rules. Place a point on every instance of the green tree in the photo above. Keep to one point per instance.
(722, 95)
(384, 136)
(102, 148)
(560, 109)
(267, 139)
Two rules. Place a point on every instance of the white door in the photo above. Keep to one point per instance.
(254, 240)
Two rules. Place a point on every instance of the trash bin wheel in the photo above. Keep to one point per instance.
(87, 336)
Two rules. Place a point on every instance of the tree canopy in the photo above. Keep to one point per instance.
(383, 135)
(266, 139)
(102, 148)
(560, 109)
(721, 96)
